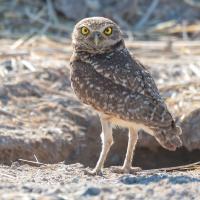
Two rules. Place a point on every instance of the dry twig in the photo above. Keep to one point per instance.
(6, 113)
(51, 12)
(58, 27)
(13, 54)
(193, 3)
(145, 17)
(31, 163)
(8, 176)
(189, 167)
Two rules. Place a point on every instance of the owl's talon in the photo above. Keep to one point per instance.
(93, 172)
(125, 170)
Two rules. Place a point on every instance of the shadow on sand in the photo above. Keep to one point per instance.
(181, 179)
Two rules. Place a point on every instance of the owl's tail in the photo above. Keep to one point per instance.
(169, 137)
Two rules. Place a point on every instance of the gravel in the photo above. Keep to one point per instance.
(60, 182)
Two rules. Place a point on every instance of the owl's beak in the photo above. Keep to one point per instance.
(96, 39)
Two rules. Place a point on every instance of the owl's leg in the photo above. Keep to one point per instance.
(107, 141)
(126, 168)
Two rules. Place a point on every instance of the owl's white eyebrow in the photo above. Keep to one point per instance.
(103, 28)
(80, 27)
(98, 29)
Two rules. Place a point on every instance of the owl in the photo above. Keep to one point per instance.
(105, 76)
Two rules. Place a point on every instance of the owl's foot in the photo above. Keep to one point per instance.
(93, 172)
(125, 170)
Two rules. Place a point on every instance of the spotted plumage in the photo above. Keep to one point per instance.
(106, 77)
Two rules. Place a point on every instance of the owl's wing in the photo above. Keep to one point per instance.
(146, 105)
(130, 74)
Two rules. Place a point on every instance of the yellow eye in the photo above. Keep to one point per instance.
(108, 31)
(85, 30)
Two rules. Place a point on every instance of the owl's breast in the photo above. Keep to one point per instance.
(101, 93)
(88, 85)
(95, 90)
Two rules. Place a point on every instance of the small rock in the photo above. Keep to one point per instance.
(92, 191)
(128, 179)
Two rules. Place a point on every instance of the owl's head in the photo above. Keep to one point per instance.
(96, 35)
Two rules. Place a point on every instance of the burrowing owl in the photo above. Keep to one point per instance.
(119, 88)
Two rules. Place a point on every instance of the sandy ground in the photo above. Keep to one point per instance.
(40, 115)
(62, 182)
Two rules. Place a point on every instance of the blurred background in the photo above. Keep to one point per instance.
(141, 19)
(39, 114)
